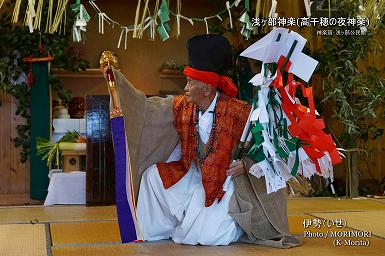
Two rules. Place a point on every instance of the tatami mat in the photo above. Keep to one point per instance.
(22, 240)
(76, 233)
(105, 250)
(80, 230)
(313, 204)
(379, 200)
(11, 215)
(367, 221)
(311, 246)
(84, 233)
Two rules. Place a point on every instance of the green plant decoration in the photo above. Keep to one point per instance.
(351, 87)
(51, 151)
(16, 43)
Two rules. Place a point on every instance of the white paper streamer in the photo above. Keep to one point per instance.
(308, 4)
(236, 3)
(268, 146)
(228, 10)
(92, 3)
(125, 39)
(273, 181)
(186, 18)
(103, 17)
(262, 99)
(247, 126)
(207, 25)
(256, 170)
(31, 14)
(120, 37)
(125, 30)
(148, 21)
(76, 36)
(152, 29)
(273, 8)
(101, 22)
(281, 167)
(178, 24)
(255, 114)
(308, 167)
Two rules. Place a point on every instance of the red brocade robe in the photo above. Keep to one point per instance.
(231, 116)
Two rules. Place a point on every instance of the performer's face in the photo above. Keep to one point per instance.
(195, 90)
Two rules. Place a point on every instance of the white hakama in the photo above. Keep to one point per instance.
(179, 212)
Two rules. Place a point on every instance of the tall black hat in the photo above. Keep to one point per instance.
(210, 53)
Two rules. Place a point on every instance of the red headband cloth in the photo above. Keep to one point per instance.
(222, 83)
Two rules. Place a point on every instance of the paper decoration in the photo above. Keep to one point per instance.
(229, 12)
(144, 19)
(164, 16)
(178, 11)
(278, 43)
(272, 12)
(288, 137)
(163, 27)
(30, 15)
(247, 27)
(54, 22)
(81, 19)
(15, 15)
(1, 3)
(39, 10)
(308, 4)
(49, 16)
(60, 10)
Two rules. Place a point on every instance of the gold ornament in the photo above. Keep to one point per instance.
(108, 59)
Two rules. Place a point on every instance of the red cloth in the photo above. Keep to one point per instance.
(231, 117)
(305, 125)
(222, 83)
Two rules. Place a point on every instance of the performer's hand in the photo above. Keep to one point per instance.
(236, 168)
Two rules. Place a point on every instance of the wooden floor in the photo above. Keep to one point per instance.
(79, 230)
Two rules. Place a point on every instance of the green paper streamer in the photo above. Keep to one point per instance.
(296, 163)
(76, 9)
(256, 154)
(164, 16)
(162, 32)
(256, 151)
(247, 5)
